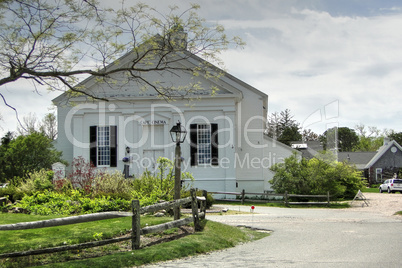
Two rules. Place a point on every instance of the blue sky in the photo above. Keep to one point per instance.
(332, 63)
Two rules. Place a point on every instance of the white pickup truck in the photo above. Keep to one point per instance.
(391, 186)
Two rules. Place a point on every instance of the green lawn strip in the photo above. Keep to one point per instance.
(370, 190)
(22, 240)
(215, 236)
(282, 205)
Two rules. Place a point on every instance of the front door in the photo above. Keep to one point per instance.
(153, 146)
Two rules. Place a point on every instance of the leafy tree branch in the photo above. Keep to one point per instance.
(58, 43)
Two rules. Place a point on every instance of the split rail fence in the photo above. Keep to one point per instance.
(284, 198)
(136, 229)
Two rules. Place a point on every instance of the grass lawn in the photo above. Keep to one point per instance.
(282, 205)
(370, 190)
(21, 240)
(214, 237)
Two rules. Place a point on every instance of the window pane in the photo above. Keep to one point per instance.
(103, 146)
(204, 144)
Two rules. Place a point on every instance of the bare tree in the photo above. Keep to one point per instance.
(370, 131)
(48, 126)
(28, 125)
(309, 135)
(370, 138)
(57, 43)
(31, 124)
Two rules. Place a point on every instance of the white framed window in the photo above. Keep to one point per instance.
(204, 144)
(103, 146)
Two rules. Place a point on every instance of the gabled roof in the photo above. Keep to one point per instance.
(382, 151)
(360, 159)
(364, 160)
(228, 84)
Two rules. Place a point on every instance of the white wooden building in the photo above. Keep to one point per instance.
(230, 152)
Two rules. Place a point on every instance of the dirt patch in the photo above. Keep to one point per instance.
(386, 204)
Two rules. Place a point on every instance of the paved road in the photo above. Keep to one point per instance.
(308, 238)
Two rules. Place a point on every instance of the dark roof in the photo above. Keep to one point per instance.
(364, 160)
(309, 149)
(360, 159)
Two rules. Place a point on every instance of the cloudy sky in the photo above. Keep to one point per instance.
(332, 63)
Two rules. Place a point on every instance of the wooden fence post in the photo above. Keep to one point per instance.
(204, 203)
(286, 199)
(328, 198)
(194, 207)
(135, 224)
(243, 193)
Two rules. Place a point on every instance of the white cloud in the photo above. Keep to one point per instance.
(309, 58)
(303, 56)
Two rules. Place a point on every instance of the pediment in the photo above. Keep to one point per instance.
(178, 84)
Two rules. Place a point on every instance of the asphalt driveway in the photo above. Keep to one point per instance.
(309, 238)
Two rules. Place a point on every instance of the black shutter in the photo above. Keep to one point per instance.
(113, 146)
(214, 145)
(92, 144)
(193, 144)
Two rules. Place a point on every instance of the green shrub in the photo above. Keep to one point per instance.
(316, 176)
(76, 202)
(125, 196)
(109, 184)
(87, 190)
(153, 187)
(149, 189)
(11, 192)
(37, 181)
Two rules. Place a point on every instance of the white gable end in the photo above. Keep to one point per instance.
(225, 131)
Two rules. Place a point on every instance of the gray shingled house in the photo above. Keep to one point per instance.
(377, 166)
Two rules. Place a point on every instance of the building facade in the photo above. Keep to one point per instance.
(225, 149)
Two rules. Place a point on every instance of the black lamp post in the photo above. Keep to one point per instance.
(178, 134)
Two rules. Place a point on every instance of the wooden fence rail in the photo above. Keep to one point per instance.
(136, 230)
(285, 198)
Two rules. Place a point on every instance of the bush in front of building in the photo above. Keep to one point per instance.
(153, 187)
(37, 181)
(98, 191)
(316, 176)
(112, 184)
(72, 203)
